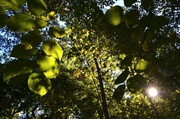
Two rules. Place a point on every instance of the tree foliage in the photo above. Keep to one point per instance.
(52, 69)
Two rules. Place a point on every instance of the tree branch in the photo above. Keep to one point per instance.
(103, 96)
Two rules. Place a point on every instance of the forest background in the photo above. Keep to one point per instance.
(75, 59)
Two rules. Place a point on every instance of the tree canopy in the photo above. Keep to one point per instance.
(89, 59)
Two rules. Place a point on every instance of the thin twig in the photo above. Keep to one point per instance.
(154, 108)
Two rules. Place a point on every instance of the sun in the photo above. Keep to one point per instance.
(152, 92)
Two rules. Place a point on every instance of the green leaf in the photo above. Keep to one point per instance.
(12, 4)
(150, 35)
(33, 38)
(114, 15)
(56, 32)
(126, 62)
(39, 84)
(128, 3)
(41, 22)
(131, 18)
(15, 69)
(158, 22)
(37, 7)
(146, 4)
(22, 51)
(136, 83)
(144, 21)
(49, 66)
(52, 48)
(19, 79)
(122, 77)
(119, 93)
(21, 22)
(145, 46)
(142, 65)
(51, 15)
(3, 17)
(137, 33)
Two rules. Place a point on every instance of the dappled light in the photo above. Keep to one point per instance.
(89, 59)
